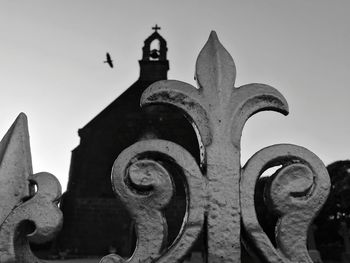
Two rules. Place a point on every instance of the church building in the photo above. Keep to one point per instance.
(95, 221)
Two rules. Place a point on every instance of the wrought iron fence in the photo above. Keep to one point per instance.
(219, 191)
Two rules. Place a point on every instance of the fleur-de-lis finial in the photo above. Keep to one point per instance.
(218, 111)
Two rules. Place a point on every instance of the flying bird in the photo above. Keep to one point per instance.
(108, 60)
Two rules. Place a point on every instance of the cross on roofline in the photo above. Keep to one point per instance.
(156, 27)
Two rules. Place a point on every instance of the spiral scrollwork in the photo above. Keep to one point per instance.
(38, 219)
(296, 193)
(141, 179)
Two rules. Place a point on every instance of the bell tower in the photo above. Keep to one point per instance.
(154, 64)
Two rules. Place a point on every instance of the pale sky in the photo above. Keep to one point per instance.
(52, 52)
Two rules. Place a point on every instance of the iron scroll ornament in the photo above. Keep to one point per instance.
(25, 214)
(223, 190)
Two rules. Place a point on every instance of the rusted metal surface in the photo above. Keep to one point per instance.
(25, 214)
(218, 112)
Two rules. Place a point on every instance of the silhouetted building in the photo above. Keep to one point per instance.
(95, 221)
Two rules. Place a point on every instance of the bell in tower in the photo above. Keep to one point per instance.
(154, 54)
(154, 64)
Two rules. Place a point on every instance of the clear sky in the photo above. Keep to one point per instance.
(51, 55)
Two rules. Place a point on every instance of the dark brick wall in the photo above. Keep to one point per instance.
(92, 225)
